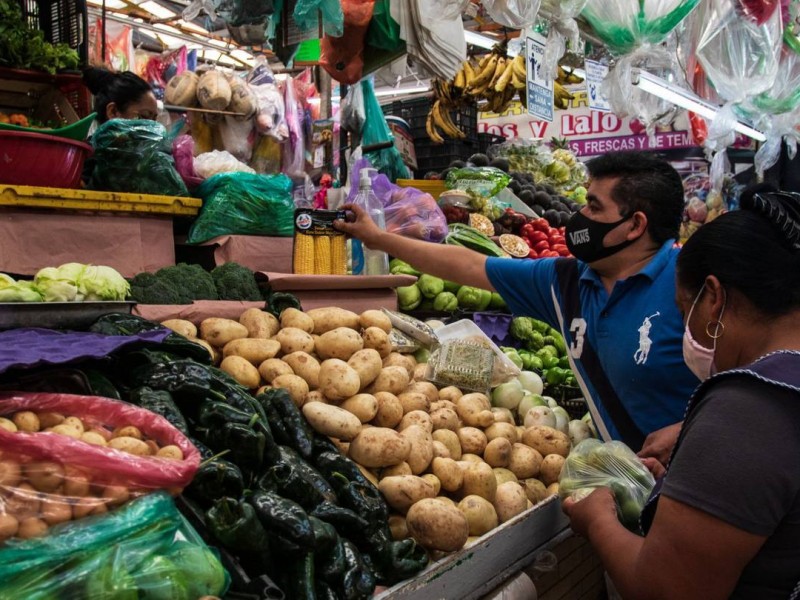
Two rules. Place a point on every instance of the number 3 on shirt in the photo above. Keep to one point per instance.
(577, 330)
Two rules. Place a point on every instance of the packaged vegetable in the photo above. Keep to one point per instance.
(468, 365)
(414, 328)
(64, 457)
(592, 464)
(319, 248)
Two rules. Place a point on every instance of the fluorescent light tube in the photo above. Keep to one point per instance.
(686, 99)
(482, 41)
(419, 89)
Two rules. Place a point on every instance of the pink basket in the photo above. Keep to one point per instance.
(41, 160)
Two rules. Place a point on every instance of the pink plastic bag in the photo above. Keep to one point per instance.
(49, 477)
(410, 212)
(183, 153)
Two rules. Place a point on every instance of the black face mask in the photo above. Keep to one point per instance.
(585, 238)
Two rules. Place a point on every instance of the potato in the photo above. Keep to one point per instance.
(390, 379)
(67, 430)
(480, 513)
(115, 495)
(291, 317)
(152, 447)
(10, 474)
(327, 319)
(509, 501)
(471, 458)
(552, 489)
(421, 453)
(503, 415)
(219, 332)
(440, 450)
(103, 432)
(304, 365)
(402, 469)
(343, 447)
(502, 430)
(296, 386)
(474, 410)
(55, 510)
(450, 440)
(440, 404)
(416, 417)
(377, 339)
(397, 525)
(181, 326)
(338, 380)
(339, 343)
(525, 461)
(502, 475)
(451, 393)
(375, 318)
(403, 491)
(316, 396)
(293, 339)
(434, 481)
(332, 420)
(259, 323)
(44, 476)
(424, 387)
(50, 419)
(9, 525)
(448, 472)
(437, 526)
(420, 373)
(447, 501)
(367, 363)
(127, 431)
(535, 490)
(479, 480)
(272, 368)
(546, 440)
(395, 359)
(129, 445)
(498, 452)
(75, 423)
(8, 425)
(445, 418)
(363, 406)
(76, 483)
(242, 371)
(472, 440)
(377, 447)
(390, 411)
(170, 452)
(27, 421)
(550, 471)
(414, 401)
(84, 506)
(93, 438)
(22, 501)
(31, 527)
(254, 350)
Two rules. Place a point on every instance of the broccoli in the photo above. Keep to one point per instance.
(191, 282)
(147, 288)
(235, 282)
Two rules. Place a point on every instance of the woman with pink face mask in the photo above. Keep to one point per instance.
(724, 522)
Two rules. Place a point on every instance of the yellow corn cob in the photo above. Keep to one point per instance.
(338, 255)
(322, 255)
(303, 254)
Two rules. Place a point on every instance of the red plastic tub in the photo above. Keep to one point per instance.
(41, 160)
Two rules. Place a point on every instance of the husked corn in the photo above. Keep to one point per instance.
(303, 257)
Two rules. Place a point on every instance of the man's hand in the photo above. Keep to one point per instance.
(361, 227)
(656, 469)
(596, 507)
(659, 444)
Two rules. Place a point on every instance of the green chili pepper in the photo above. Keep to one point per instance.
(161, 403)
(347, 523)
(325, 535)
(280, 301)
(295, 479)
(180, 377)
(276, 424)
(245, 444)
(324, 591)
(100, 384)
(301, 436)
(358, 581)
(285, 518)
(300, 579)
(234, 523)
(331, 564)
(216, 479)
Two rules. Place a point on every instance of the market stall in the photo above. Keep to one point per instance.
(253, 405)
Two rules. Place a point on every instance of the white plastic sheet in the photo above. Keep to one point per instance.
(512, 13)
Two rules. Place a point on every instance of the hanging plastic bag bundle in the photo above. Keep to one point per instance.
(517, 14)
(307, 13)
(593, 464)
(146, 550)
(343, 57)
(563, 32)
(244, 204)
(376, 132)
(384, 31)
(183, 151)
(135, 155)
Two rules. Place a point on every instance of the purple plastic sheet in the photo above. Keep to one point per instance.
(33, 347)
(495, 326)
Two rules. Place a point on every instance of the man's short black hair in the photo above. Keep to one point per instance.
(646, 183)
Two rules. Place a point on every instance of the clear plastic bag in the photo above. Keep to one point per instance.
(410, 212)
(563, 31)
(593, 464)
(343, 57)
(780, 128)
(183, 151)
(72, 468)
(135, 155)
(294, 150)
(784, 95)
(503, 369)
(465, 364)
(244, 204)
(512, 13)
(307, 12)
(238, 137)
(271, 112)
(449, 9)
(353, 113)
(244, 12)
(144, 550)
(215, 162)
(485, 182)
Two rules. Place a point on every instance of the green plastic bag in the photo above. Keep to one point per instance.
(244, 204)
(383, 31)
(306, 16)
(388, 160)
(145, 549)
(135, 156)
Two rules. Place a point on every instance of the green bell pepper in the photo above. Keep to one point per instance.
(400, 267)
(446, 302)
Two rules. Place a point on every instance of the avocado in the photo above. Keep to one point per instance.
(552, 217)
(543, 198)
(527, 197)
(549, 189)
(500, 163)
(538, 209)
(445, 173)
(515, 187)
(479, 160)
(457, 164)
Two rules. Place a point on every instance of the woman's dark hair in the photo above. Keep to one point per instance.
(755, 251)
(123, 89)
(646, 183)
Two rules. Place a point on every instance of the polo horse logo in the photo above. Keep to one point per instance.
(645, 343)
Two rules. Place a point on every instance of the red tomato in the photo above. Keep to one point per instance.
(555, 240)
(538, 236)
(533, 254)
(527, 229)
(549, 254)
(561, 249)
(541, 247)
(541, 225)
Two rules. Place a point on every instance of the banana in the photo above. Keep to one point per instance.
(519, 68)
(505, 78)
(484, 76)
(469, 72)
(508, 96)
(523, 98)
(498, 72)
(517, 83)
(460, 81)
(441, 117)
(430, 128)
(485, 60)
(561, 96)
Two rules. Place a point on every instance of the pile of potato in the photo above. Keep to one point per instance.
(128, 439)
(448, 464)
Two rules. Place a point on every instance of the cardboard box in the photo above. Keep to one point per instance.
(259, 253)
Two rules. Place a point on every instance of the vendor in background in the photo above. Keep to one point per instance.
(120, 95)
(727, 521)
(613, 303)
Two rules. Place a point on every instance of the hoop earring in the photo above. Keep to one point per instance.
(719, 329)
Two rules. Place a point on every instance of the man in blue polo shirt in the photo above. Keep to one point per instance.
(614, 303)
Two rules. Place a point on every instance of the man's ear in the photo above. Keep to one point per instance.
(638, 225)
